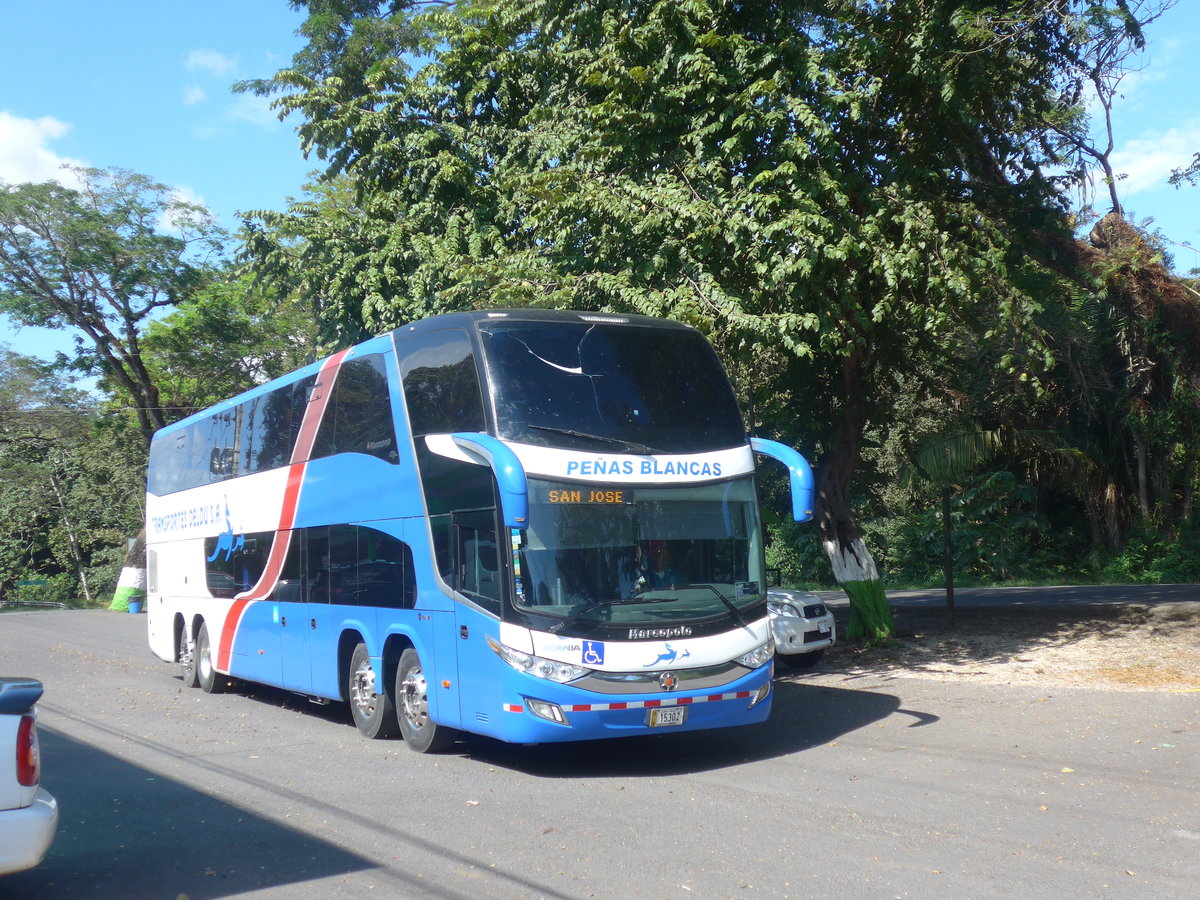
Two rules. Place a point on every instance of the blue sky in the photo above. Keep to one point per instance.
(144, 85)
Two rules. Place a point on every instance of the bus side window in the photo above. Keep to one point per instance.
(477, 558)
(441, 385)
(234, 563)
(290, 587)
(441, 529)
(385, 576)
(316, 565)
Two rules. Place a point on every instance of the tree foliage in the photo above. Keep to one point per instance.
(848, 183)
(1111, 36)
(71, 485)
(226, 338)
(852, 198)
(100, 260)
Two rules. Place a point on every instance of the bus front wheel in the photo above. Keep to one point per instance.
(370, 704)
(211, 681)
(412, 706)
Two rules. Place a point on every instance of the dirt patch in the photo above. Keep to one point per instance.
(1130, 648)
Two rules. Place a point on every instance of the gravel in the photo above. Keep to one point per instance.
(1129, 648)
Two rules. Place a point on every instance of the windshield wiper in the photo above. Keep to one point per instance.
(604, 439)
(737, 613)
(599, 604)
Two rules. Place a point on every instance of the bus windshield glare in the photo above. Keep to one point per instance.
(623, 555)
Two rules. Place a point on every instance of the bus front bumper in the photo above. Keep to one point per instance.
(540, 711)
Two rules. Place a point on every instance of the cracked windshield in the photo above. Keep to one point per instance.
(610, 388)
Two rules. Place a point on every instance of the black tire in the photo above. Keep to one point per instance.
(187, 659)
(412, 708)
(211, 681)
(801, 661)
(373, 711)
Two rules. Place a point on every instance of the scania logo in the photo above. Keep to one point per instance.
(668, 681)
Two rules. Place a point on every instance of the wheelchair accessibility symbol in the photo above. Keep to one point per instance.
(593, 653)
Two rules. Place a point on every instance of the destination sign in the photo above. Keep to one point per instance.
(586, 495)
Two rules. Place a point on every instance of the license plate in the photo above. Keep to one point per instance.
(824, 628)
(662, 716)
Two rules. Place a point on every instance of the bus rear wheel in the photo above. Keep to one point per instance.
(412, 704)
(211, 681)
(370, 703)
(187, 658)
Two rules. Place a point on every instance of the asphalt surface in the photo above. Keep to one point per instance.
(1049, 597)
(858, 787)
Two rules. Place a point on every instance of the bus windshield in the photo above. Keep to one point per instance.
(609, 388)
(599, 557)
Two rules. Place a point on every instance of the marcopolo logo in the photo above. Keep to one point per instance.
(659, 634)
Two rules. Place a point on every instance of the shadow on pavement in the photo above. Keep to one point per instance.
(803, 716)
(126, 833)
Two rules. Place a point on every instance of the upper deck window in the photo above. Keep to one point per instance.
(441, 386)
(609, 387)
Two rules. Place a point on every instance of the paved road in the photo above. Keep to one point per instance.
(857, 788)
(1041, 597)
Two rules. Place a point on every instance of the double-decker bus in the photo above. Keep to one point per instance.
(534, 525)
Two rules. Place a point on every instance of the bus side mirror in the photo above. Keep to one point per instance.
(510, 474)
(799, 474)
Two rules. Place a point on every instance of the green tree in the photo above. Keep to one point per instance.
(1189, 173)
(1111, 39)
(99, 261)
(845, 183)
(226, 338)
(72, 482)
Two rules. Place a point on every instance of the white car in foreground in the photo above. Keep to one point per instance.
(28, 813)
(802, 626)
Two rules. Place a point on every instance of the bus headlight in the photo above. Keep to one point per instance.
(759, 656)
(535, 665)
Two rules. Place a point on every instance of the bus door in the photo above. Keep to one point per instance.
(479, 573)
(296, 591)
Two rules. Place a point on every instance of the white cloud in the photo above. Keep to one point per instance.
(1147, 161)
(255, 110)
(193, 95)
(212, 62)
(24, 154)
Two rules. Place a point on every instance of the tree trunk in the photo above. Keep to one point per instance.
(131, 586)
(1187, 503)
(72, 538)
(948, 556)
(853, 566)
(1143, 476)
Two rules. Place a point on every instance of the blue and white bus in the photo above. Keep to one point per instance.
(534, 525)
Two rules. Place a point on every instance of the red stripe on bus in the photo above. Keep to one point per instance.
(314, 411)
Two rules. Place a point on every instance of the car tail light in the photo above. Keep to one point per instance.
(28, 755)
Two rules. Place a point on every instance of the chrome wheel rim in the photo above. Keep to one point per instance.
(187, 655)
(362, 690)
(415, 697)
